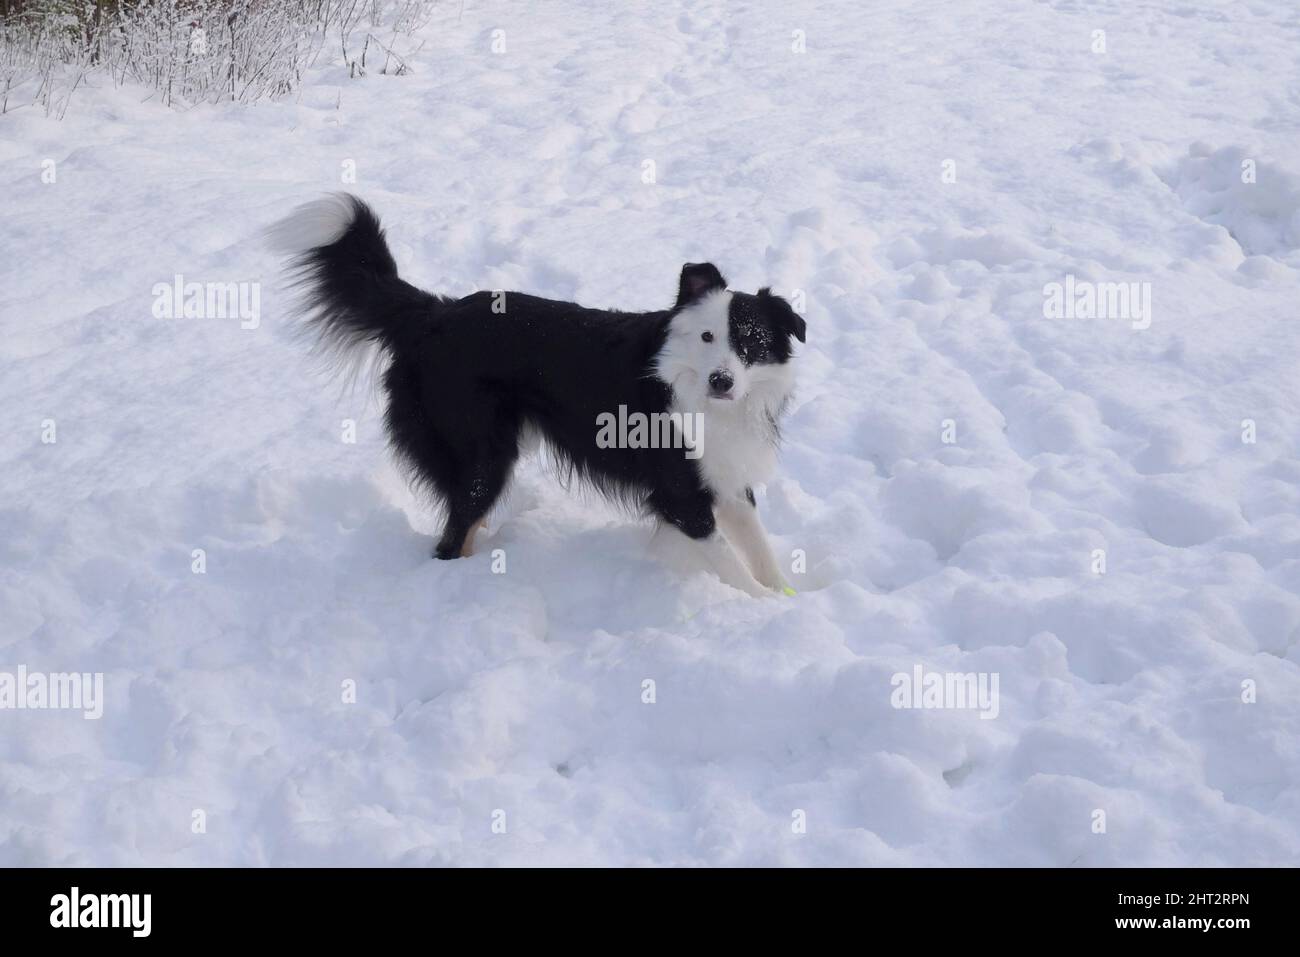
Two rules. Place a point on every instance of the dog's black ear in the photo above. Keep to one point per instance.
(783, 315)
(697, 279)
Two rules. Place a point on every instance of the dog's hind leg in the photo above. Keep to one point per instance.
(467, 549)
(465, 453)
(468, 504)
(483, 470)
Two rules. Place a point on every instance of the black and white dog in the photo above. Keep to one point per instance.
(469, 378)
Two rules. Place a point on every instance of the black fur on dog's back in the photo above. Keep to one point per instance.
(467, 375)
(479, 376)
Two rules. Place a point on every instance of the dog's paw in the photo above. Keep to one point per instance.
(753, 588)
(776, 584)
(765, 590)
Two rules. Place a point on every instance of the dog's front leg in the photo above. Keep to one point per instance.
(719, 553)
(694, 518)
(740, 523)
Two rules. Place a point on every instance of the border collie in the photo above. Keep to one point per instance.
(470, 380)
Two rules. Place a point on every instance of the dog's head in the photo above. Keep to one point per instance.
(728, 347)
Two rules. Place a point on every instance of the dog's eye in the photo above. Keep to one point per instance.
(706, 336)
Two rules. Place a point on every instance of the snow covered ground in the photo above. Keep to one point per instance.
(958, 465)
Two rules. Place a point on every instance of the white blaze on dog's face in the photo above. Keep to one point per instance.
(727, 348)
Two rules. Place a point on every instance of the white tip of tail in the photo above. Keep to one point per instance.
(318, 223)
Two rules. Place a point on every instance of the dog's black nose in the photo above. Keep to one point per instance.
(720, 382)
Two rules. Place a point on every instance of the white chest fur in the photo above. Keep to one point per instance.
(737, 448)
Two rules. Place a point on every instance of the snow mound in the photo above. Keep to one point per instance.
(1257, 202)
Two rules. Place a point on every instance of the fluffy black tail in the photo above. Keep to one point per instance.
(351, 295)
